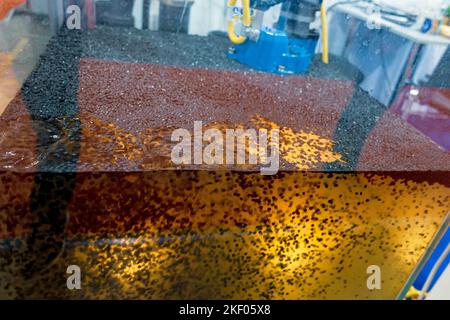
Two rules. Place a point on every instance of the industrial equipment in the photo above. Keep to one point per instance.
(286, 47)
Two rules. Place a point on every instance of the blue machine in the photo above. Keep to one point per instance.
(438, 251)
(286, 48)
(275, 52)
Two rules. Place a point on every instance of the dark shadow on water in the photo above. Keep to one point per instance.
(50, 95)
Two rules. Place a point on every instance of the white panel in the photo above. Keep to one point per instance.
(441, 289)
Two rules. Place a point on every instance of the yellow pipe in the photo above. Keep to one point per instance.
(246, 21)
(232, 34)
(323, 14)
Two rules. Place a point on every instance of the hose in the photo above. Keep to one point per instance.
(323, 15)
(433, 272)
(246, 21)
(232, 34)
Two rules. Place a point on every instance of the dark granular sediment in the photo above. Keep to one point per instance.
(167, 48)
(140, 80)
(126, 112)
(86, 178)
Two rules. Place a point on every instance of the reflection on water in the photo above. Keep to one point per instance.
(105, 144)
